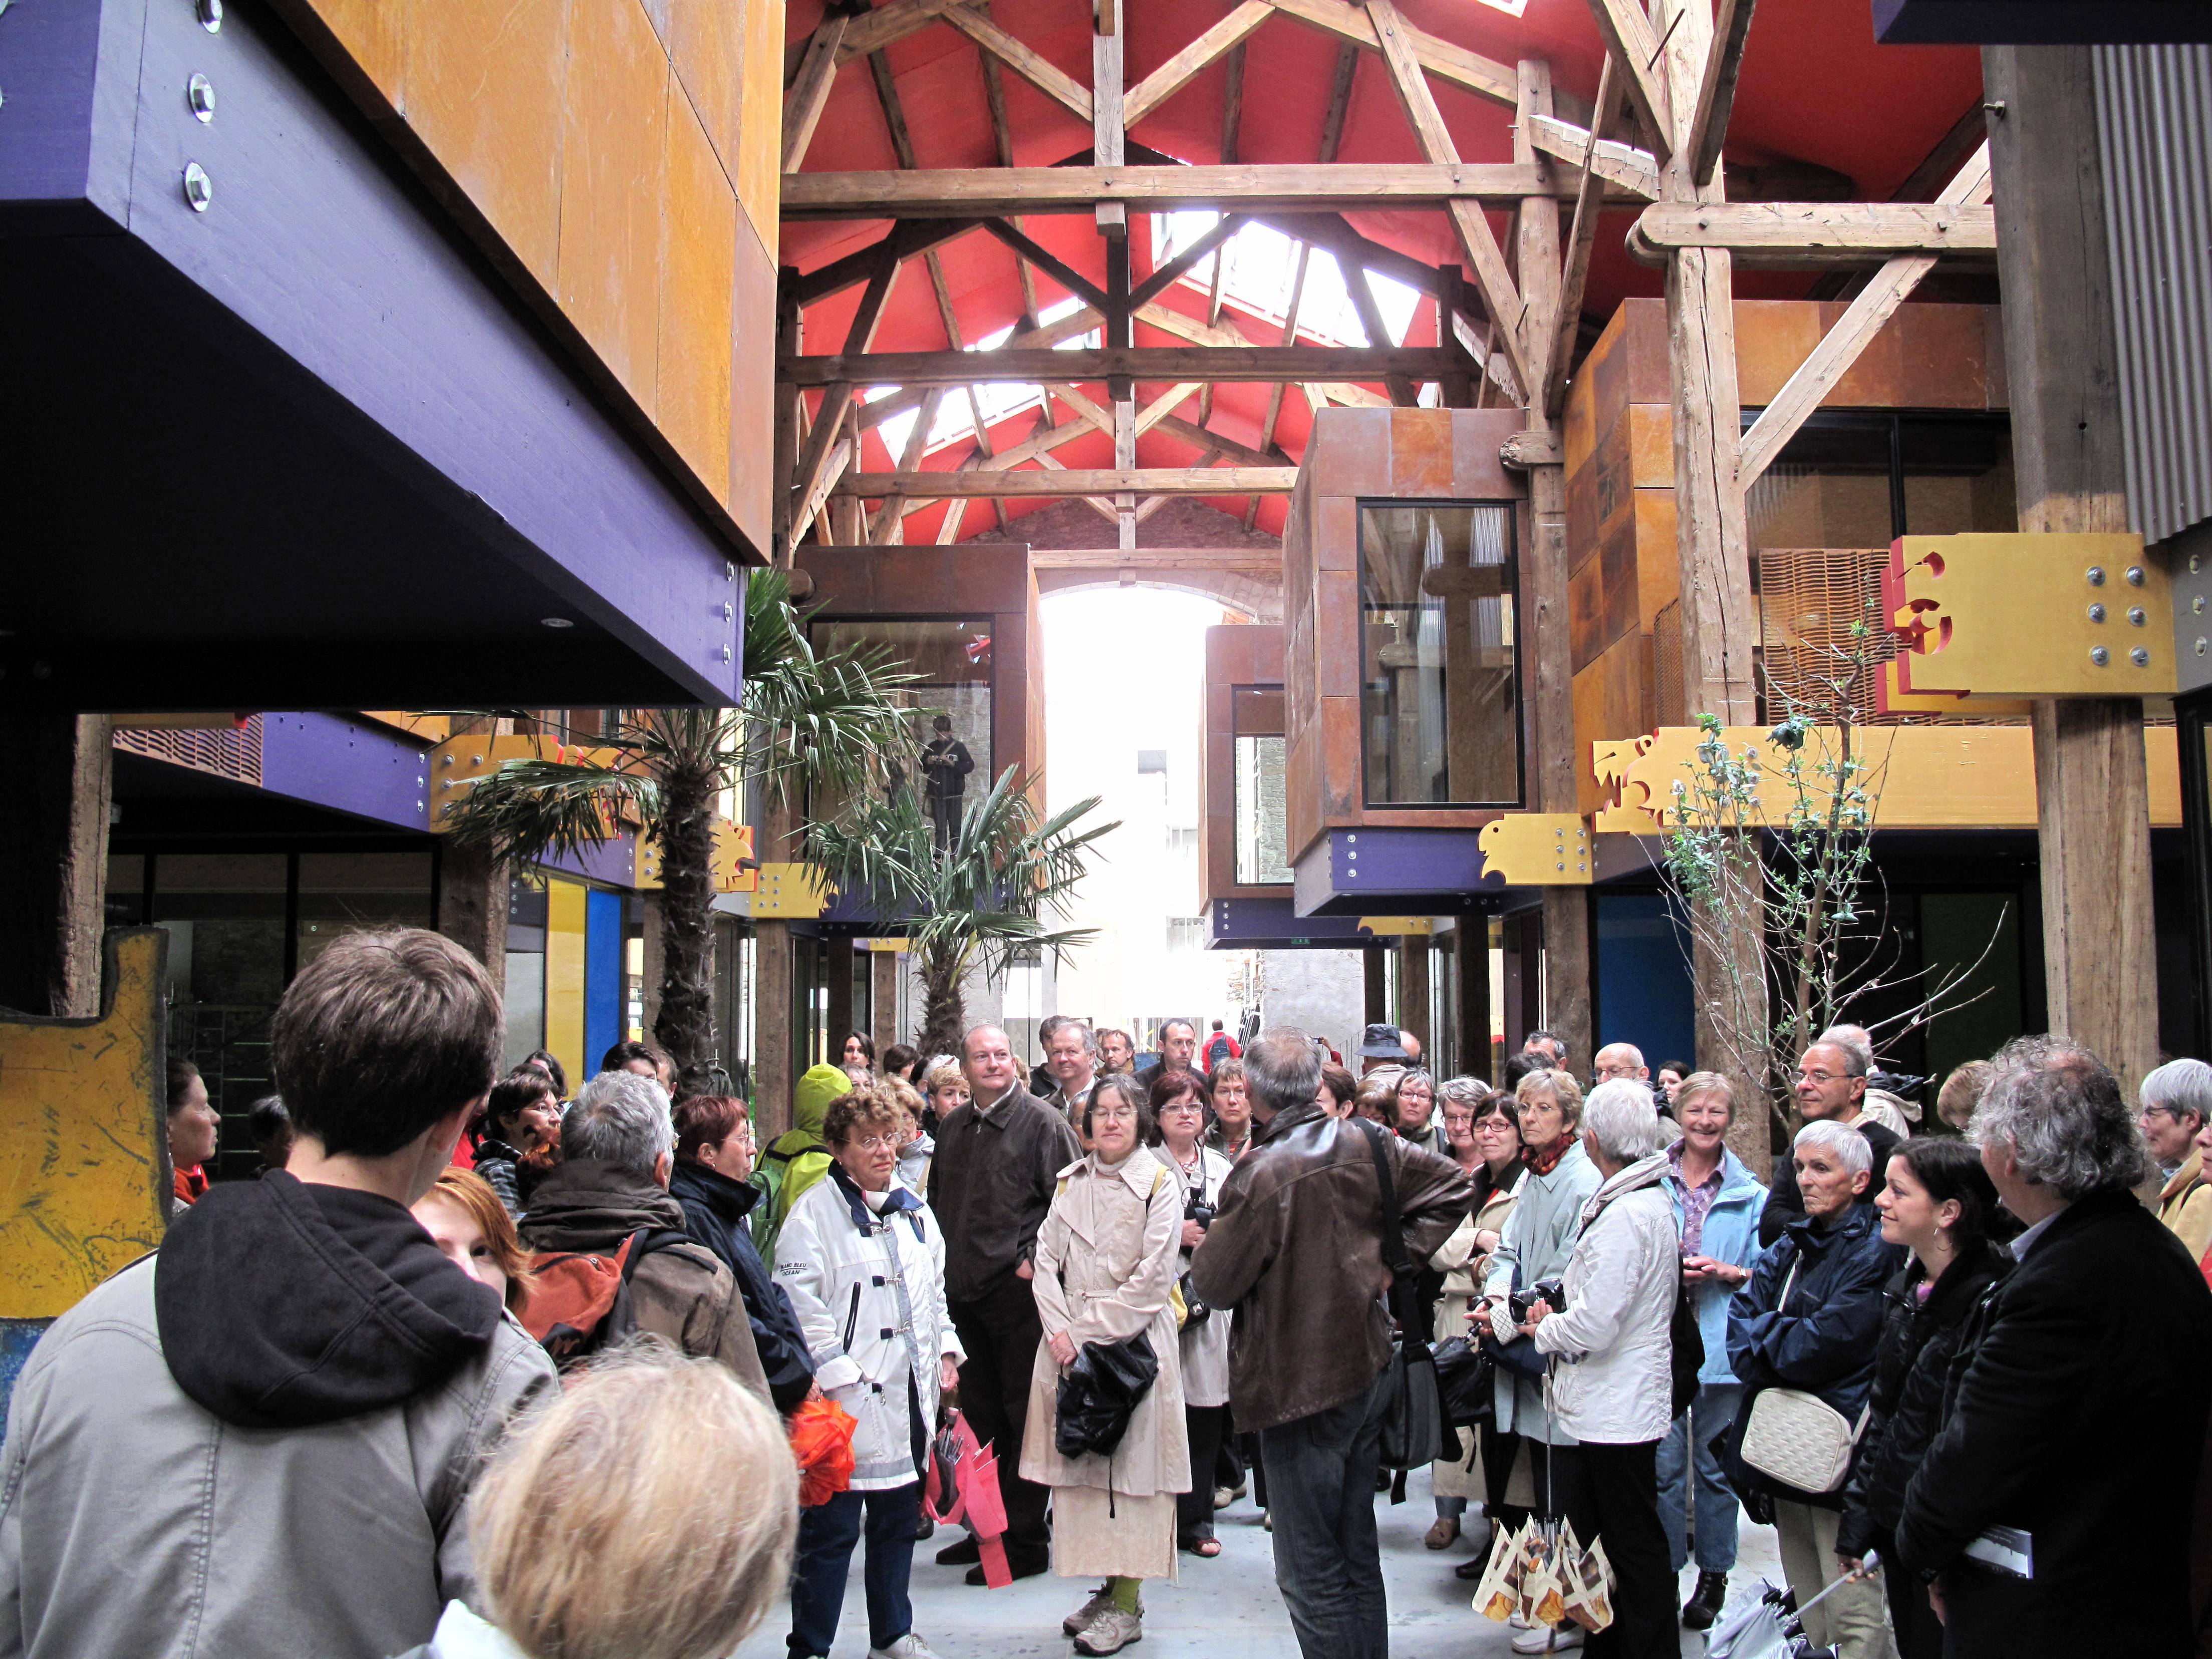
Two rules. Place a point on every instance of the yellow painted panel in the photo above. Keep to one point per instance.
(1398, 927)
(84, 1174)
(789, 889)
(760, 122)
(564, 974)
(483, 92)
(699, 249)
(1537, 850)
(614, 169)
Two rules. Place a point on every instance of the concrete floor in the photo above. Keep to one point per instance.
(1224, 1609)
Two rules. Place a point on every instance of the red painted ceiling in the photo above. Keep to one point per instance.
(1815, 88)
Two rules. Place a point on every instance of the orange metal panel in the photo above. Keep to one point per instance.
(1651, 445)
(1658, 562)
(752, 386)
(699, 246)
(373, 33)
(614, 170)
(706, 42)
(760, 120)
(1772, 337)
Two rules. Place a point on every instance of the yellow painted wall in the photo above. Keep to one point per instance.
(83, 1163)
(619, 159)
(564, 975)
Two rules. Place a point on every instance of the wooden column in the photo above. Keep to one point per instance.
(774, 1071)
(53, 867)
(1474, 1051)
(883, 998)
(655, 964)
(1413, 992)
(1375, 964)
(2100, 962)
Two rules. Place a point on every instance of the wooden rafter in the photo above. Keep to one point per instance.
(1030, 64)
(1176, 269)
(1258, 187)
(1717, 91)
(814, 456)
(1628, 39)
(1094, 481)
(810, 94)
(1814, 235)
(1582, 238)
(1051, 263)
(1156, 363)
(1171, 77)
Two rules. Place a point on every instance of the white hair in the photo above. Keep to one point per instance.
(2181, 1086)
(621, 1120)
(1851, 1042)
(1841, 1141)
(1629, 1048)
(2058, 1109)
(1625, 1117)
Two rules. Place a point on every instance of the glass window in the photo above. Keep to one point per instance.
(1440, 699)
(352, 892)
(1262, 825)
(953, 659)
(225, 916)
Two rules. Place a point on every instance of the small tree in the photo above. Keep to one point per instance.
(828, 721)
(979, 900)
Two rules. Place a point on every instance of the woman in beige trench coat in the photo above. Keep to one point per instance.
(1106, 1262)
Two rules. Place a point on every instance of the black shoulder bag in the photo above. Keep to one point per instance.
(1412, 1413)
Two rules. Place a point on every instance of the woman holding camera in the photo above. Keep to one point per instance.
(1107, 1258)
(1180, 1112)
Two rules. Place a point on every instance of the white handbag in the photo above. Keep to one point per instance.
(1798, 1438)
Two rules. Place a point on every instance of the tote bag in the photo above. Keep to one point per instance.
(1413, 1420)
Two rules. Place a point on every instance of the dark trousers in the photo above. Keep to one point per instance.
(1612, 1493)
(1917, 1632)
(1498, 1451)
(945, 817)
(1195, 1508)
(1000, 1333)
(827, 1532)
(1328, 1565)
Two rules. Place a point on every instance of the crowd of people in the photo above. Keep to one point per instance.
(475, 1369)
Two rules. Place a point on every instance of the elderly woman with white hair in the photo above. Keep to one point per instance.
(1809, 1319)
(2177, 1105)
(1612, 1367)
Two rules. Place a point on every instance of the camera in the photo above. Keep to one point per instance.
(1197, 1209)
(1195, 1312)
(1550, 1292)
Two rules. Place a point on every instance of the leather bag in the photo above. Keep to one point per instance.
(1412, 1414)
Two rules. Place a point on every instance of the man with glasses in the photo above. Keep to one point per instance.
(1831, 1085)
(2177, 1102)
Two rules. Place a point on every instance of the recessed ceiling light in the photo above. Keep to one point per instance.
(556, 622)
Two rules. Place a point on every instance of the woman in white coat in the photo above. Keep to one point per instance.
(1613, 1368)
(862, 1259)
(1179, 1108)
(1106, 1264)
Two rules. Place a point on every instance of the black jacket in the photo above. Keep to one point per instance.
(2077, 1413)
(714, 1209)
(1783, 1203)
(1918, 1341)
(945, 782)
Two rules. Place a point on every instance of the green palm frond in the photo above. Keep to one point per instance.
(830, 720)
(531, 809)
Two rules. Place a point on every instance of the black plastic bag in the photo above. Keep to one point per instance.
(1100, 1393)
(1466, 1381)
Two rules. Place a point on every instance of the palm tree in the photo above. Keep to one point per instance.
(830, 721)
(977, 900)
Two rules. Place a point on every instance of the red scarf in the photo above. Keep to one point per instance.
(1542, 1164)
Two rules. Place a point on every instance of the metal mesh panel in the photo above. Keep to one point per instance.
(1668, 703)
(231, 752)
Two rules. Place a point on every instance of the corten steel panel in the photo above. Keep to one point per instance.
(1651, 430)
(752, 387)
(699, 247)
(971, 579)
(1421, 451)
(760, 117)
(1617, 561)
(373, 34)
(614, 170)
(358, 474)
(1586, 614)
(1658, 565)
(1336, 533)
(1605, 372)
(1772, 337)
(1590, 715)
(1941, 352)
(1644, 349)
(706, 42)
(1350, 452)
(1477, 473)
(1582, 522)
(485, 88)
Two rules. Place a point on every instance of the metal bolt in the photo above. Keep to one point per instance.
(2193, 561)
(199, 93)
(2098, 655)
(2201, 643)
(729, 571)
(2134, 575)
(725, 653)
(729, 611)
(2196, 605)
(2140, 657)
(210, 14)
(199, 189)
(2096, 613)
(2096, 575)
(2136, 615)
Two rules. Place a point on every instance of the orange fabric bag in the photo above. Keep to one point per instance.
(822, 1441)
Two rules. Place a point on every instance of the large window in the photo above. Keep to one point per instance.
(1262, 825)
(952, 658)
(1440, 698)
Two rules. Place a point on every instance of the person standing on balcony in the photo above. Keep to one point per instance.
(945, 764)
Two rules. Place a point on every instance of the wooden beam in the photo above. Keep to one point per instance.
(1332, 231)
(1094, 481)
(1047, 78)
(853, 269)
(887, 529)
(1403, 393)
(1582, 237)
(1633, 173)
(1171, 77)
(839, 458)
(980, 192)
(1485, 76)
(810, 94)
(1232, 119)
(1628, 37)
(1049, 263)
(1156, 363)
(1172, 272)
(1200, 437)
(1192, 559)
(1717, 91)
(814, 457)
(1812, 235)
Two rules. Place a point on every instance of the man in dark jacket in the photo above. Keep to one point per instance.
(1832, 1084)
(1296, 1248)
(945, 764)
(261, 1439)
(990, 1183)
(2052, 1514)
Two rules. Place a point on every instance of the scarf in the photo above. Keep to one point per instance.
(1542, 1164)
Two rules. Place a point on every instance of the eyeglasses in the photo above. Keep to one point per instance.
(875, 1143)
(1816, 1077)
(1180, 1106)
(1113, 1115)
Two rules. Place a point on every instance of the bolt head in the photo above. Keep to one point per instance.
(2136, 615)
(210, 14)
(2096, 575)
(2140, 657)
(2096, 613)
(199, 189)
(2134, 575)
(2201, 644)
(199, 94)
(2098, 655)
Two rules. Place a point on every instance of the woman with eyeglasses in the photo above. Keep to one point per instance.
(1179, 1109)
(1107, 1258)
(863, 1260)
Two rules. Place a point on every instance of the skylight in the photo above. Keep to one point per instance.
(1262, 266)
(997, 401)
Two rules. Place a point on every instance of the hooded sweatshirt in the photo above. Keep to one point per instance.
(298, 1374)
(798, 1157)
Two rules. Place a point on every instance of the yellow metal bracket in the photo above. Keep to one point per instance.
(1397, 926)
(1537, 850)
(790, 891)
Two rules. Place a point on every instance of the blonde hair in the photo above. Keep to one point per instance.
(910, 1102)
(944, 1074)
(471, 1194)
(1706, 1083)
(647, 1513)
(1566, 1094)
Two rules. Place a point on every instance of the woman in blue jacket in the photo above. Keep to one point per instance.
(1717, 1202)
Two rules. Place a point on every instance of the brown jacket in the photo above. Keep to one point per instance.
(1297, 1249)
(683, 1294)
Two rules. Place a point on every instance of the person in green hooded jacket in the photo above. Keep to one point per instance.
(797, 1158)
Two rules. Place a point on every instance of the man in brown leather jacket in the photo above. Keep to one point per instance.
(1297, 1249)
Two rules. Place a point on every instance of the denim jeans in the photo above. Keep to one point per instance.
(1328, 1565)
(827, 1532)
(1707, 1419)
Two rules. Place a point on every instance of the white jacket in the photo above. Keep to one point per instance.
(867, 1282)
(1613, 1383)
(1204, 1344)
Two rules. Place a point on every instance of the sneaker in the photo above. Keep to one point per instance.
(1100, 1598)
(908, 1646)
(966, 1553)
(1705, 1602)
(1543, 1639)
(1224, 1497)
(1110, 1632)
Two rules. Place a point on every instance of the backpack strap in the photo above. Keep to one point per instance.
(1394, 1228)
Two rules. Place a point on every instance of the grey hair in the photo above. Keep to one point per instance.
(1282, 1069)
(1623, 1115)
(1846, 1144)
(1467, 1091)
(2058, 1109)
(1090, 1036)
(1858, 1053)
(2181, 1086)
(621, 1120)
(1419, 1074)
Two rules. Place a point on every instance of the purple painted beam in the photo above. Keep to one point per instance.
(349, 766)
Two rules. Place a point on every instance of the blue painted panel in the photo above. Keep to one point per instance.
(603, 973)
(348, 765)
(1644, 994)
